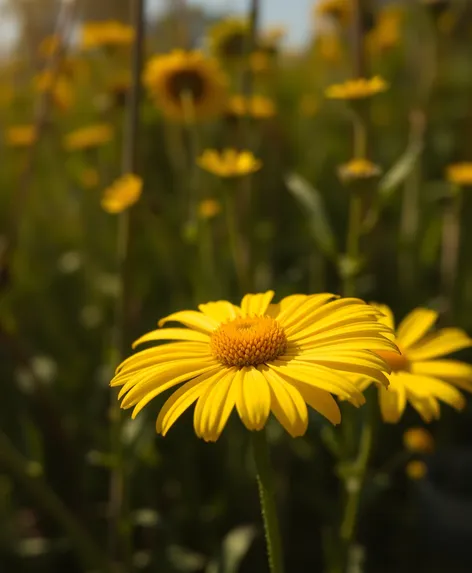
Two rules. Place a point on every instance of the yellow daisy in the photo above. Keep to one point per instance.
(258, 357)
(88, 137)
(418, 441)
(358, 169)
(209, 208)
(123, 193)
(186, 84)
(340, 10)
(109, 33)
(229, 162)
(357, 89)
(228, 39)
(21, 135)
(256, 106)
(460, 173)
(420, 374)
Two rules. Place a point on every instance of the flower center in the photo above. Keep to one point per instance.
(187, 81)
(248, 341)
(395, 361)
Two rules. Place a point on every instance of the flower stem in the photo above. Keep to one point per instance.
(267, 500)
(235, 240)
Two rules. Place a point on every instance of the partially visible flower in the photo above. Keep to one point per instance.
(273, 34)
(256, 106)
(58, 86)
(49, 45)
(118, 87)
(357, 169)
(123, 193)
(340, 10)
(89, 178)
(209, 208)
(386, 33)
(229, 162)
(420, 374)
(460, 173)
(110, 33)
(416, 470)
(309, 105)
(357, 89)
(88, 137)
(329, 47)
(186, 85)
(418, 441)
(228, 39)
(260, 62)
(256, 358)
(21, 135)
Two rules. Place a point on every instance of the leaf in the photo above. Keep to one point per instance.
(312, 204)
(401, 169)
(234, 548)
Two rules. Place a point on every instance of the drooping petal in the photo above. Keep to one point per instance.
(215, 406)
(386, 314)
(441, 390)
(220, 310)
(172, 334)
(447, 369)
(428, 408)
(252, 398)
(392, 401)
(445, 341)
(414, 326)
(321, 401)
(192, 319)
(256, 304)
(287, 403)
(182, 399)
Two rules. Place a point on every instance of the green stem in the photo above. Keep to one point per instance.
(235, 242)
(450, 250)
(267, 500)
(352, 243)
(50, 503)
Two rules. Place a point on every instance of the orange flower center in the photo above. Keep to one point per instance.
(395, 361)
(248, 341)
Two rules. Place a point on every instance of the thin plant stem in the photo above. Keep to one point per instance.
(235, 240)
(266, 487)
(119, 533)
(46, 499)
(450, 250)
(352, 243)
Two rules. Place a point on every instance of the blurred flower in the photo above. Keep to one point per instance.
(260, 61)
(123, 193)
(228, 39)
(258, 357)
(88, 137)
(460, 173)
(416, 470)
(21, 135)
(106, 34)
(229, 162)
(386, 33)
(340, 10)
(357, 89)
(89, 178)
(420, 375)
(418, 440)
(118, 87)
(273, 34)
(329, 47)
(209, 208)
(49, 45)
(256, 106)
(356, 169)
(309, 105)
(59, 87)
(186, 84)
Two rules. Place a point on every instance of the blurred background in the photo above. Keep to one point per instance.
(184, 505)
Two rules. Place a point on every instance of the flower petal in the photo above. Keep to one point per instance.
(256, 304)
(445, 341)
(415, 325)
(321, 401)
(252, 398)
(287, 403)
(306, 312)
(220, 310)
(285, 307)
(173, 334)
(386, 317)
(192, 319)
(453, 371)
(441, 390)
(392, 401)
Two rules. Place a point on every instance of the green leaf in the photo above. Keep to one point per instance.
(234, 548)
(397, 174)
(311, 202)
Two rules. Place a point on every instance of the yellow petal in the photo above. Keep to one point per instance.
(445, 341)
(428, 408)
(172, 334)
(192, 319)
(321, 401)
(256, 304)
(287, 403)
(215, 406)
(306, 312)
(386, 317)
(441, 390)
(351, 342)
(449, 369)
(285, 307)
(345, 332)
(392, 401)
(220, 310)
(415, 325)
(252, 398)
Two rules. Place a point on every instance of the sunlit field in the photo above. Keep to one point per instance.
(236, 291)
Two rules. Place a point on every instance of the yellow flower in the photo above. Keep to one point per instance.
(229, 162)
(123, 193)
(187, 85)
(209, 208)
(228, 39)
(386, 33)
(416, 470)
(340, 10)
(357, 89)
(460, 173)
(258, 357)
(329, 47)
(357, 169)
(21, 135)
(88, 137)
(418, 440)
(60, 88)
(109, 33)
(49, 45)
(257, 106)
(420, 375)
